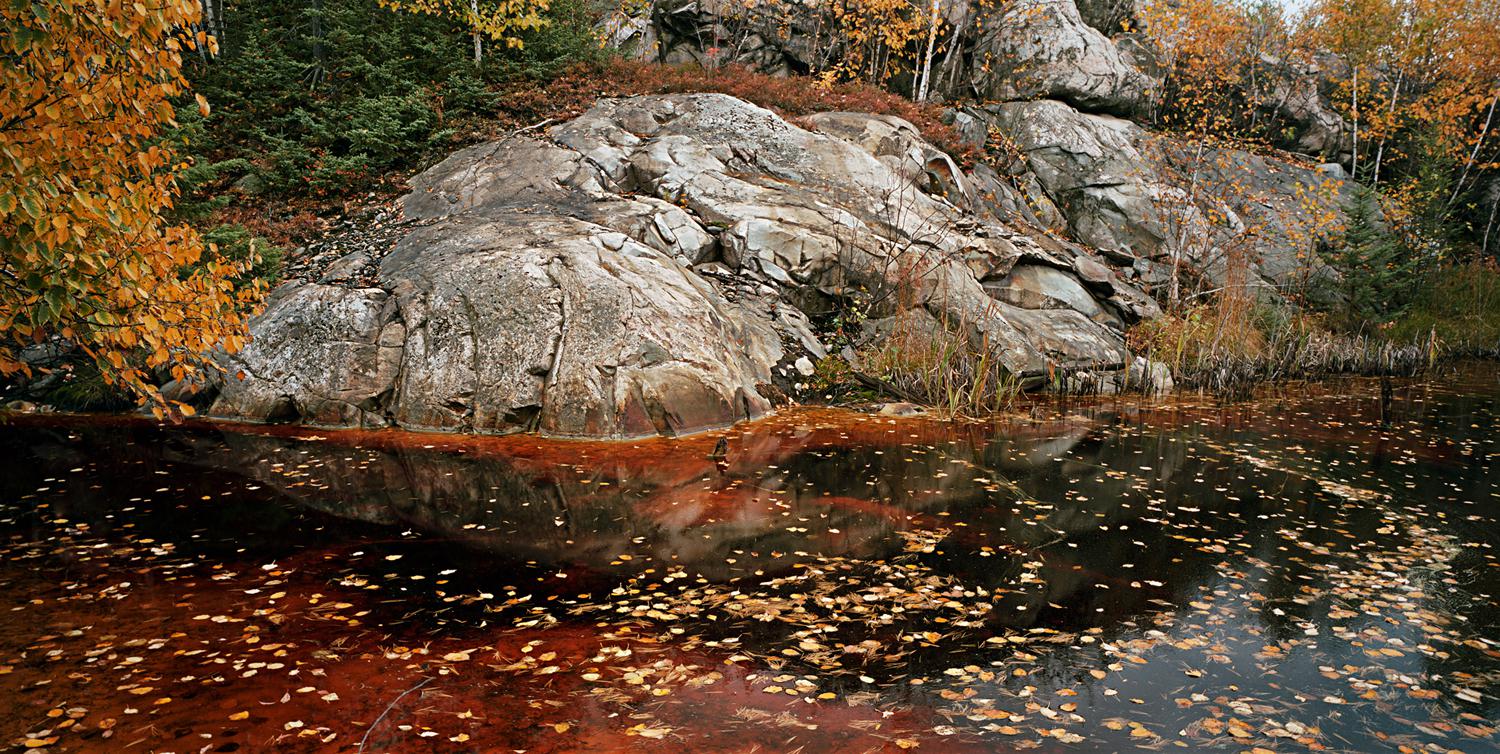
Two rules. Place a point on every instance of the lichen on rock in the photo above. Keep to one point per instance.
(654, 266)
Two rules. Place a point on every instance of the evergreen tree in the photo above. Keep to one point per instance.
(1376, 270)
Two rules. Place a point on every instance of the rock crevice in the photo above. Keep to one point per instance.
(641, 272)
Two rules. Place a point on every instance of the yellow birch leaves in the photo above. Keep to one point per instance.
(86, 90)
(500, 20)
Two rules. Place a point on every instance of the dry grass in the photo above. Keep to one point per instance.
(938, 364)
(1458, 307)
(1230, 347)
(1233, 344)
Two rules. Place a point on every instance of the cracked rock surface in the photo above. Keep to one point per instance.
(1125, 190)
(656, 266)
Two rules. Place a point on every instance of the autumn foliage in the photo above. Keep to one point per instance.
(1439, 59)
(501, 20)
(877, 42)
(86, 256)
(91, 258)
(1203, 49)
(1415, 82)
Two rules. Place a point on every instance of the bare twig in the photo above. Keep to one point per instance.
(387, 711)
(533, 127)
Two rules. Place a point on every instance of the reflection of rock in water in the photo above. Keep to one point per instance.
(1052, 501)
(784, 488)
(776, 497)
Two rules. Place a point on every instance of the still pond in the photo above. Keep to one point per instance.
(1317, 570)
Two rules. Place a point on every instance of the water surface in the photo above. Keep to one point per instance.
(1310, 571)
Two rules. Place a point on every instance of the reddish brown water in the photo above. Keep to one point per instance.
(1285, 575)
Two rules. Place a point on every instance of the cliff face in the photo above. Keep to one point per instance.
(662, 264)
(1063, 90)
(1087, 54)
(1146, 200)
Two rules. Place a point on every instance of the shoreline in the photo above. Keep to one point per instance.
(1024, 407)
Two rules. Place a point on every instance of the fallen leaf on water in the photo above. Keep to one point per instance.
(1468, 695)
(645, 732)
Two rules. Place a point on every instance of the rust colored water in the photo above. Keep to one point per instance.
(1290, 574)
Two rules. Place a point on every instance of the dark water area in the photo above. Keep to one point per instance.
(1309, 571)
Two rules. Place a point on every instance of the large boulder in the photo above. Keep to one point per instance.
(811, 211)
(1091, 169)
(509, 320)
(652, 269)
(1042, 49)
(320, 353)
(901, 147)
(527, 298)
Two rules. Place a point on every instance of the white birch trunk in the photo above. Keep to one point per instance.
(932, 30)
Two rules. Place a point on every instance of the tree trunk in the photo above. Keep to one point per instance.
(206, 23)
(1174, 296)
(478, 42)
(1469, 163)
(949, 67)
(1354, 153)
(1490, 226)
(931, 47)
(1380, 152)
